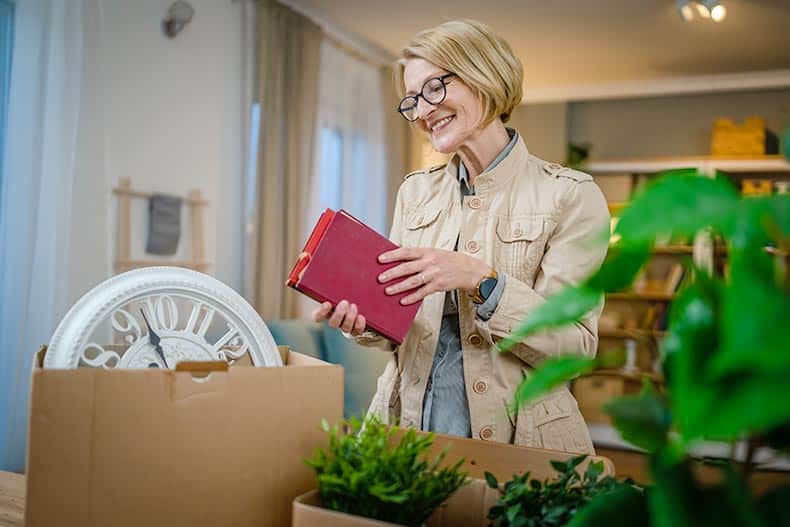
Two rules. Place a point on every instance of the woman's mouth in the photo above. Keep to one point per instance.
(441, 124)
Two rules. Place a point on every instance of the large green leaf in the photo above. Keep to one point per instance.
(739, 500)
(643, 420)
(755, 305)
(747, 404)
(563, 308)
(622, 507)
(688, 347)
(773, 506)
(679, 202)
(622, 263)
(674, 497)
(551, 373)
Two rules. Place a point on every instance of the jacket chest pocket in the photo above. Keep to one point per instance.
(420, 228)
(520, 244)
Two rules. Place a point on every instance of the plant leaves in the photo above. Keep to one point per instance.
(565, 307)
(623, 507)
(551, 373)
(678, 202)
(622, 264)
(491, 480)
(773, 505)
(642, 420)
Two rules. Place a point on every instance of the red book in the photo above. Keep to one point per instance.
(340, 262)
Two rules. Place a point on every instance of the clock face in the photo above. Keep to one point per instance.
(157, 317)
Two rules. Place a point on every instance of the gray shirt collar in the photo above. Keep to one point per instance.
(463, 176)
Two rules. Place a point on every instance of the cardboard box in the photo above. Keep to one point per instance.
(176, 448)
(470, 504)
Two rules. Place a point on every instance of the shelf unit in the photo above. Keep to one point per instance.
(705, 164)
(603, 384)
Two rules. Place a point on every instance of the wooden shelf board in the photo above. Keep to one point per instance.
(630, 333)
(646, 297)
(729, 164)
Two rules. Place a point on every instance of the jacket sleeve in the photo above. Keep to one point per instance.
(369, 337)
(574, 251)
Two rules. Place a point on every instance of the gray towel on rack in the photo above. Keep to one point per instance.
(164, 224)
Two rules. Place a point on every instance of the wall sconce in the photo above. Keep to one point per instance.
(179, 15)
(712, 9)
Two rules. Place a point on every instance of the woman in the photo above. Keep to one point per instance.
(484, 240)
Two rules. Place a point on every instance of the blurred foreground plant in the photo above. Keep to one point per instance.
(726, 355)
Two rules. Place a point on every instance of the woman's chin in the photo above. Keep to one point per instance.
(444, 145)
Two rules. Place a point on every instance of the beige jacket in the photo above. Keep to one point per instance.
(539, 224)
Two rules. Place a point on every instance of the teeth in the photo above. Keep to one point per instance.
(442, 123)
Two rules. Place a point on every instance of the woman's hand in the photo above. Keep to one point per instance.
(345, 317)
(431, 270)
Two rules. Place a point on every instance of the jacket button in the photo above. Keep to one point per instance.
(486, 432)
(475, 339)
(480, 387)
(472, 246)
(475, 203)
(517, 232)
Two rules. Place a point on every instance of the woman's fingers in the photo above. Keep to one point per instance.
(416, 296)
(401, 253)
(337, 316)
(349, 319)
(359, 325)
(413, 282)
(321, 312)
(404, 269)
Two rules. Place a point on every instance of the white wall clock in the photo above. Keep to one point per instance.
(156, 317)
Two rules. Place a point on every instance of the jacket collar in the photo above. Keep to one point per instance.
(497, 176)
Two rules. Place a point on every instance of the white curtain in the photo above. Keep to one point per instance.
(35, 213)
(351, 154)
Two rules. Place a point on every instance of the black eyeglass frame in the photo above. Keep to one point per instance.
(416, 98)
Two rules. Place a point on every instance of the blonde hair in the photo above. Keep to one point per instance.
(478, 56)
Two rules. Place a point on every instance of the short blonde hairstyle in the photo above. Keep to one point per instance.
(480, 58)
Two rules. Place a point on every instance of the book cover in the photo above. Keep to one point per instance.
(340, 262)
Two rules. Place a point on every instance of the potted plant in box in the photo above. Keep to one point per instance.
(367, 472)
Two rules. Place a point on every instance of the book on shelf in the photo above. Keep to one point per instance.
(340, 262)
(674, 278)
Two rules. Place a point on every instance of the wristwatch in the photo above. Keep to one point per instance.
(484, 287)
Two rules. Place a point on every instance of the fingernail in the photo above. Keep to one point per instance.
(382, 278)
(389, 290)
(383, 258)
(403, 301)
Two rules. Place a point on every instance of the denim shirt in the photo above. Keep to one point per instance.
(445, 406)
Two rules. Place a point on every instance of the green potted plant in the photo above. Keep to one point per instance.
(554, 502)
(367, 471)
(726, 355)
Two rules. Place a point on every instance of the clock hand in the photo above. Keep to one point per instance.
(154, 339)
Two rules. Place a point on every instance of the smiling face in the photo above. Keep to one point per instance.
(453, 122)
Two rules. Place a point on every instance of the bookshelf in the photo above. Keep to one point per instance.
(707, 164)
(634, 322)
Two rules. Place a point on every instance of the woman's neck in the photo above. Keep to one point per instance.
(481, 149)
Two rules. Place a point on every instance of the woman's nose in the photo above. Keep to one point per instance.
(424, 109)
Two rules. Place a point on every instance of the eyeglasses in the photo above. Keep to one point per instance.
(433, 92)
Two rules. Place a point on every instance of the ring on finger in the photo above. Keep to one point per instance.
(422, 279)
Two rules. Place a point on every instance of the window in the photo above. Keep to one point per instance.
(6, 44)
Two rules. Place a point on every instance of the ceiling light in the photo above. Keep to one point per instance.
(718, 13)
(685, 10)
(710, 9)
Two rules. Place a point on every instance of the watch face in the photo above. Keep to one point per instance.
(156, 317)
(487, 286)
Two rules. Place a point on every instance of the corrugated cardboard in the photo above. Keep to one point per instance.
(468, 507)
(470, 504)
(167, 448)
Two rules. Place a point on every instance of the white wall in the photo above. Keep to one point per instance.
(168, 115)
